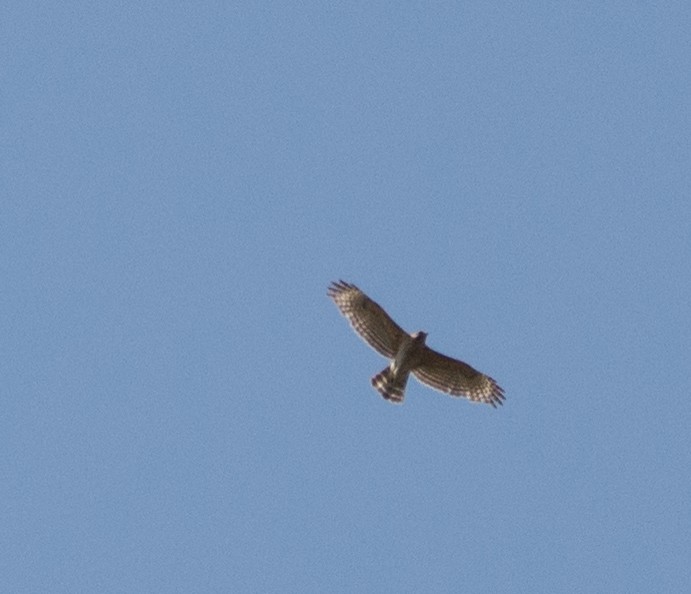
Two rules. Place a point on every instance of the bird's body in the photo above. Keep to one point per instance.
(392, 380)
(409, 353)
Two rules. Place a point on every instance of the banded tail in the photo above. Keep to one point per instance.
(390, 386)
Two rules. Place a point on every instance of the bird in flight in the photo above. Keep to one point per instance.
(409, 353)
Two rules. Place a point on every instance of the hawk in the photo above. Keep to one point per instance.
(409, 353)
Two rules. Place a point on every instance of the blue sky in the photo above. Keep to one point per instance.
(184, 410)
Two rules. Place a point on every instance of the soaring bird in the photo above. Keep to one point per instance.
(408, 353)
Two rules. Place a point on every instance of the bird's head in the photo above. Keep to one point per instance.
(420, 337)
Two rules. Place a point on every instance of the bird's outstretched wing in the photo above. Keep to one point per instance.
(457, 378)
(367, 318)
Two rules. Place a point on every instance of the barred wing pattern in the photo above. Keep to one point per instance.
(457, 378)
(368, 318)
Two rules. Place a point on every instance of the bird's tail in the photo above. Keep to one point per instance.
(390, 386)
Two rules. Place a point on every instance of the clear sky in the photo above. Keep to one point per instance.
(184, 409)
